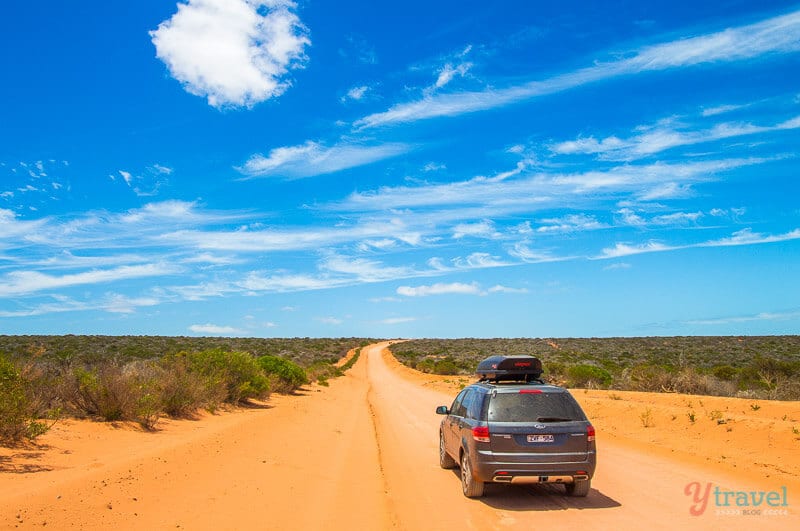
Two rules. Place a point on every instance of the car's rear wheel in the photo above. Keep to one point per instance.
(445, 461)
(579, 487)
(471, 487)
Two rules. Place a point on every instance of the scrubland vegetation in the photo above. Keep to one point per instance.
(754, 367)
(143, 378)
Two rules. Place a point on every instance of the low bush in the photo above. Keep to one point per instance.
(649, 378)
(588, 376)
(445, 366)
(322, 371)
(118, 392)
(184, 391)
(239, 372)
(555, 372)
(287, 376)
(427, 365)
(20, 413)
(103, 391)
(725, 372)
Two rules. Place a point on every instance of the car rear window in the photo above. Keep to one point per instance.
(534, 407)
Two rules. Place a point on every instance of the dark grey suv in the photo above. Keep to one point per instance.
(511, 427)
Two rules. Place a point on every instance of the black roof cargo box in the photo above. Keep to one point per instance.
(497, 368)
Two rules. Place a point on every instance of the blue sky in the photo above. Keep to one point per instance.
(424, 169)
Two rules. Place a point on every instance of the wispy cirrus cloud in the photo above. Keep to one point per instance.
(479, 261)
(286, 282)
(216, 330)
(748, 237)
(722, 109)
(11, 226)
(570, 223)
(624, 249)
(528, 190)
(312, 158)
(355, 93)
(398, 320)
(777, 35)
(32, 181)
(480, 229)
(110, 302)
(146, 183)
(289, 238)
(742, 237)
(662, 137)
(364, 270)
(629, 217)
(330, 320)
(523, 251)
(457, 288)
(142, 227)
(456, 66)
(499, 288)
(119, 303)
(763, 316)
(233, 52)
(18, 283)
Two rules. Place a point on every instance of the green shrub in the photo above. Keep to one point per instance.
(427, 365)
(19, 411)
(725, 372)
(184, 391)
(238, 371)
(146, 381)
(99, 392)
(114, 391)
(555, 371)
(288, 375)
(321, 371)
(445, 366)
(588, 376)
(646, 378)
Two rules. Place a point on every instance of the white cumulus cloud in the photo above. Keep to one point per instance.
(232, 52)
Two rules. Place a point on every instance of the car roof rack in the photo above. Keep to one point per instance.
(510, 368)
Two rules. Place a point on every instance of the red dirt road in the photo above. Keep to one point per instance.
(360, 454)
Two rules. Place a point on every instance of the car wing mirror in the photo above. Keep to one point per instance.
(442, 410)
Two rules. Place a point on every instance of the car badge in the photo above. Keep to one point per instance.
(539, 426)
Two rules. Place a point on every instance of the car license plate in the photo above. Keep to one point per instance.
(540, 438)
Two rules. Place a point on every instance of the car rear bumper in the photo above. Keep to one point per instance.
(488, 470)
(529, 479)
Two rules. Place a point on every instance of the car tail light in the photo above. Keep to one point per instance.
(590, 433)
(480, 433)
(530, 391)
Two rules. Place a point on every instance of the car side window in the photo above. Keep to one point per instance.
(474, 406)
(455, 409)
(466, 402)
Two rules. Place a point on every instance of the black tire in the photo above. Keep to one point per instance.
(445, 461)
(471, 487)
(579, 487)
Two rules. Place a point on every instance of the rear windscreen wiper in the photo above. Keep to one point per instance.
(552, 419)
